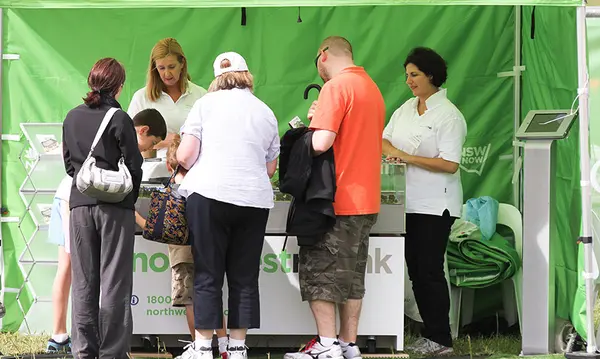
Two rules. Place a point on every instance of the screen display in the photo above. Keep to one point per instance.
(546, 123)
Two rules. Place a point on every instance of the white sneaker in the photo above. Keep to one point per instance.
(191, 352)
(417, 344)
(315, 350)
(425, 346)
(237, 353)
(351, 351)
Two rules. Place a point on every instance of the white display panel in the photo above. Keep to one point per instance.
(282, 311)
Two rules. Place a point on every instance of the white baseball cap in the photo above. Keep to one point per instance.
(238, 63)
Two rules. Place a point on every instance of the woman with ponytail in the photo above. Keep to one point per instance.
(101, 234)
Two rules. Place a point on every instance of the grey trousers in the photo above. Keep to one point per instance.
(102, 239)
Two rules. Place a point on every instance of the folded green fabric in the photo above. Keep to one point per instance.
(474, 263)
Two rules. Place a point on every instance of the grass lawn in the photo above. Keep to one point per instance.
(497, 347)
(491, 347)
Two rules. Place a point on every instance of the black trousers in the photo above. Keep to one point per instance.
(226, 239)
(102, 239)
(426, 241)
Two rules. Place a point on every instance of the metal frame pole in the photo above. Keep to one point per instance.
(2, 271)
(586, 194)
(584, 153)
(517, 150)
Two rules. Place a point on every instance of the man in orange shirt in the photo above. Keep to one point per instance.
(349, 115)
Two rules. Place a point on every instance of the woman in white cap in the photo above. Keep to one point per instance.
(230, 145)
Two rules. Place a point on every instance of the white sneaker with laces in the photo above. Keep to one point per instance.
(315, 350)
(351, 351)
(237, 353)
(191, 352)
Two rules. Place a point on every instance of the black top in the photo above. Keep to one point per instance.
(311, 181)
(79, 129)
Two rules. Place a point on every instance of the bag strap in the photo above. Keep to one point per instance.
(103, 125)
(172, 178)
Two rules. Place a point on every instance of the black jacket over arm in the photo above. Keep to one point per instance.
(119, 138)
(311, 181)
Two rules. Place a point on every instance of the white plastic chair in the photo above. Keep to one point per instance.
(509, 216)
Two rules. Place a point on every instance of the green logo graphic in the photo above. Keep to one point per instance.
(157, 262)
(288, 262)
(269, 263)
(474, 158)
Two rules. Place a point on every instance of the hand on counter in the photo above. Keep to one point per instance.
(149, 154)
(166, 142)
(399, 155)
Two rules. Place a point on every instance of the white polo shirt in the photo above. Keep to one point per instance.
(174, 113)
(439, 133)
(239, 135)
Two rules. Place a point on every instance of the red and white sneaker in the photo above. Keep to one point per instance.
(315, 350)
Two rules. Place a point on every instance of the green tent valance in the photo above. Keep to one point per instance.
(261, 3)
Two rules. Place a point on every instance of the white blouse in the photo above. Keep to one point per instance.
(439, 133)
(238, 136)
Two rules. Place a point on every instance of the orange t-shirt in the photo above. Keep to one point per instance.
(351, 105)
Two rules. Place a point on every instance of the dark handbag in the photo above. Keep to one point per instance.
(166, 221)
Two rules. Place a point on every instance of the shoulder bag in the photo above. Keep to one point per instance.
(166, 221)
(104, 185)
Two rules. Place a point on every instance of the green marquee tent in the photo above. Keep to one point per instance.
(505, 57)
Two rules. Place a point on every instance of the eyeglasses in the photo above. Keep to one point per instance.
(319, 55)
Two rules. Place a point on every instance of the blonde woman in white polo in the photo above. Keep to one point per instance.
(427, 133)
(169, 90)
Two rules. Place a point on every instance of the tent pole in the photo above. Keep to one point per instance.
(517, 198)
(586, 197)
(585, 173)
(2, 271)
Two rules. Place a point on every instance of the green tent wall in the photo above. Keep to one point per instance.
(112, 4)
(58, 46)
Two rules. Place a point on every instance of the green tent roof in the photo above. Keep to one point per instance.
(262, 3)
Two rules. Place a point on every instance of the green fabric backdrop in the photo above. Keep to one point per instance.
(550, 82)
(261, 3)
(58, 47)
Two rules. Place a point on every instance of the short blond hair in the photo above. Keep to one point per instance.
(231, 80)
(162, 49)
(338, 46)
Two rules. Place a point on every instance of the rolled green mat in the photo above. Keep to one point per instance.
(475, 263)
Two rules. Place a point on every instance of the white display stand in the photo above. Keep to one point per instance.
(540, 130)
(282, 311)
(37, 258)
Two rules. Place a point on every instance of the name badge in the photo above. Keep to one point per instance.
(414, 141)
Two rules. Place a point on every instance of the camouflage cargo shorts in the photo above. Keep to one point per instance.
(334, 269)
(182, 284)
